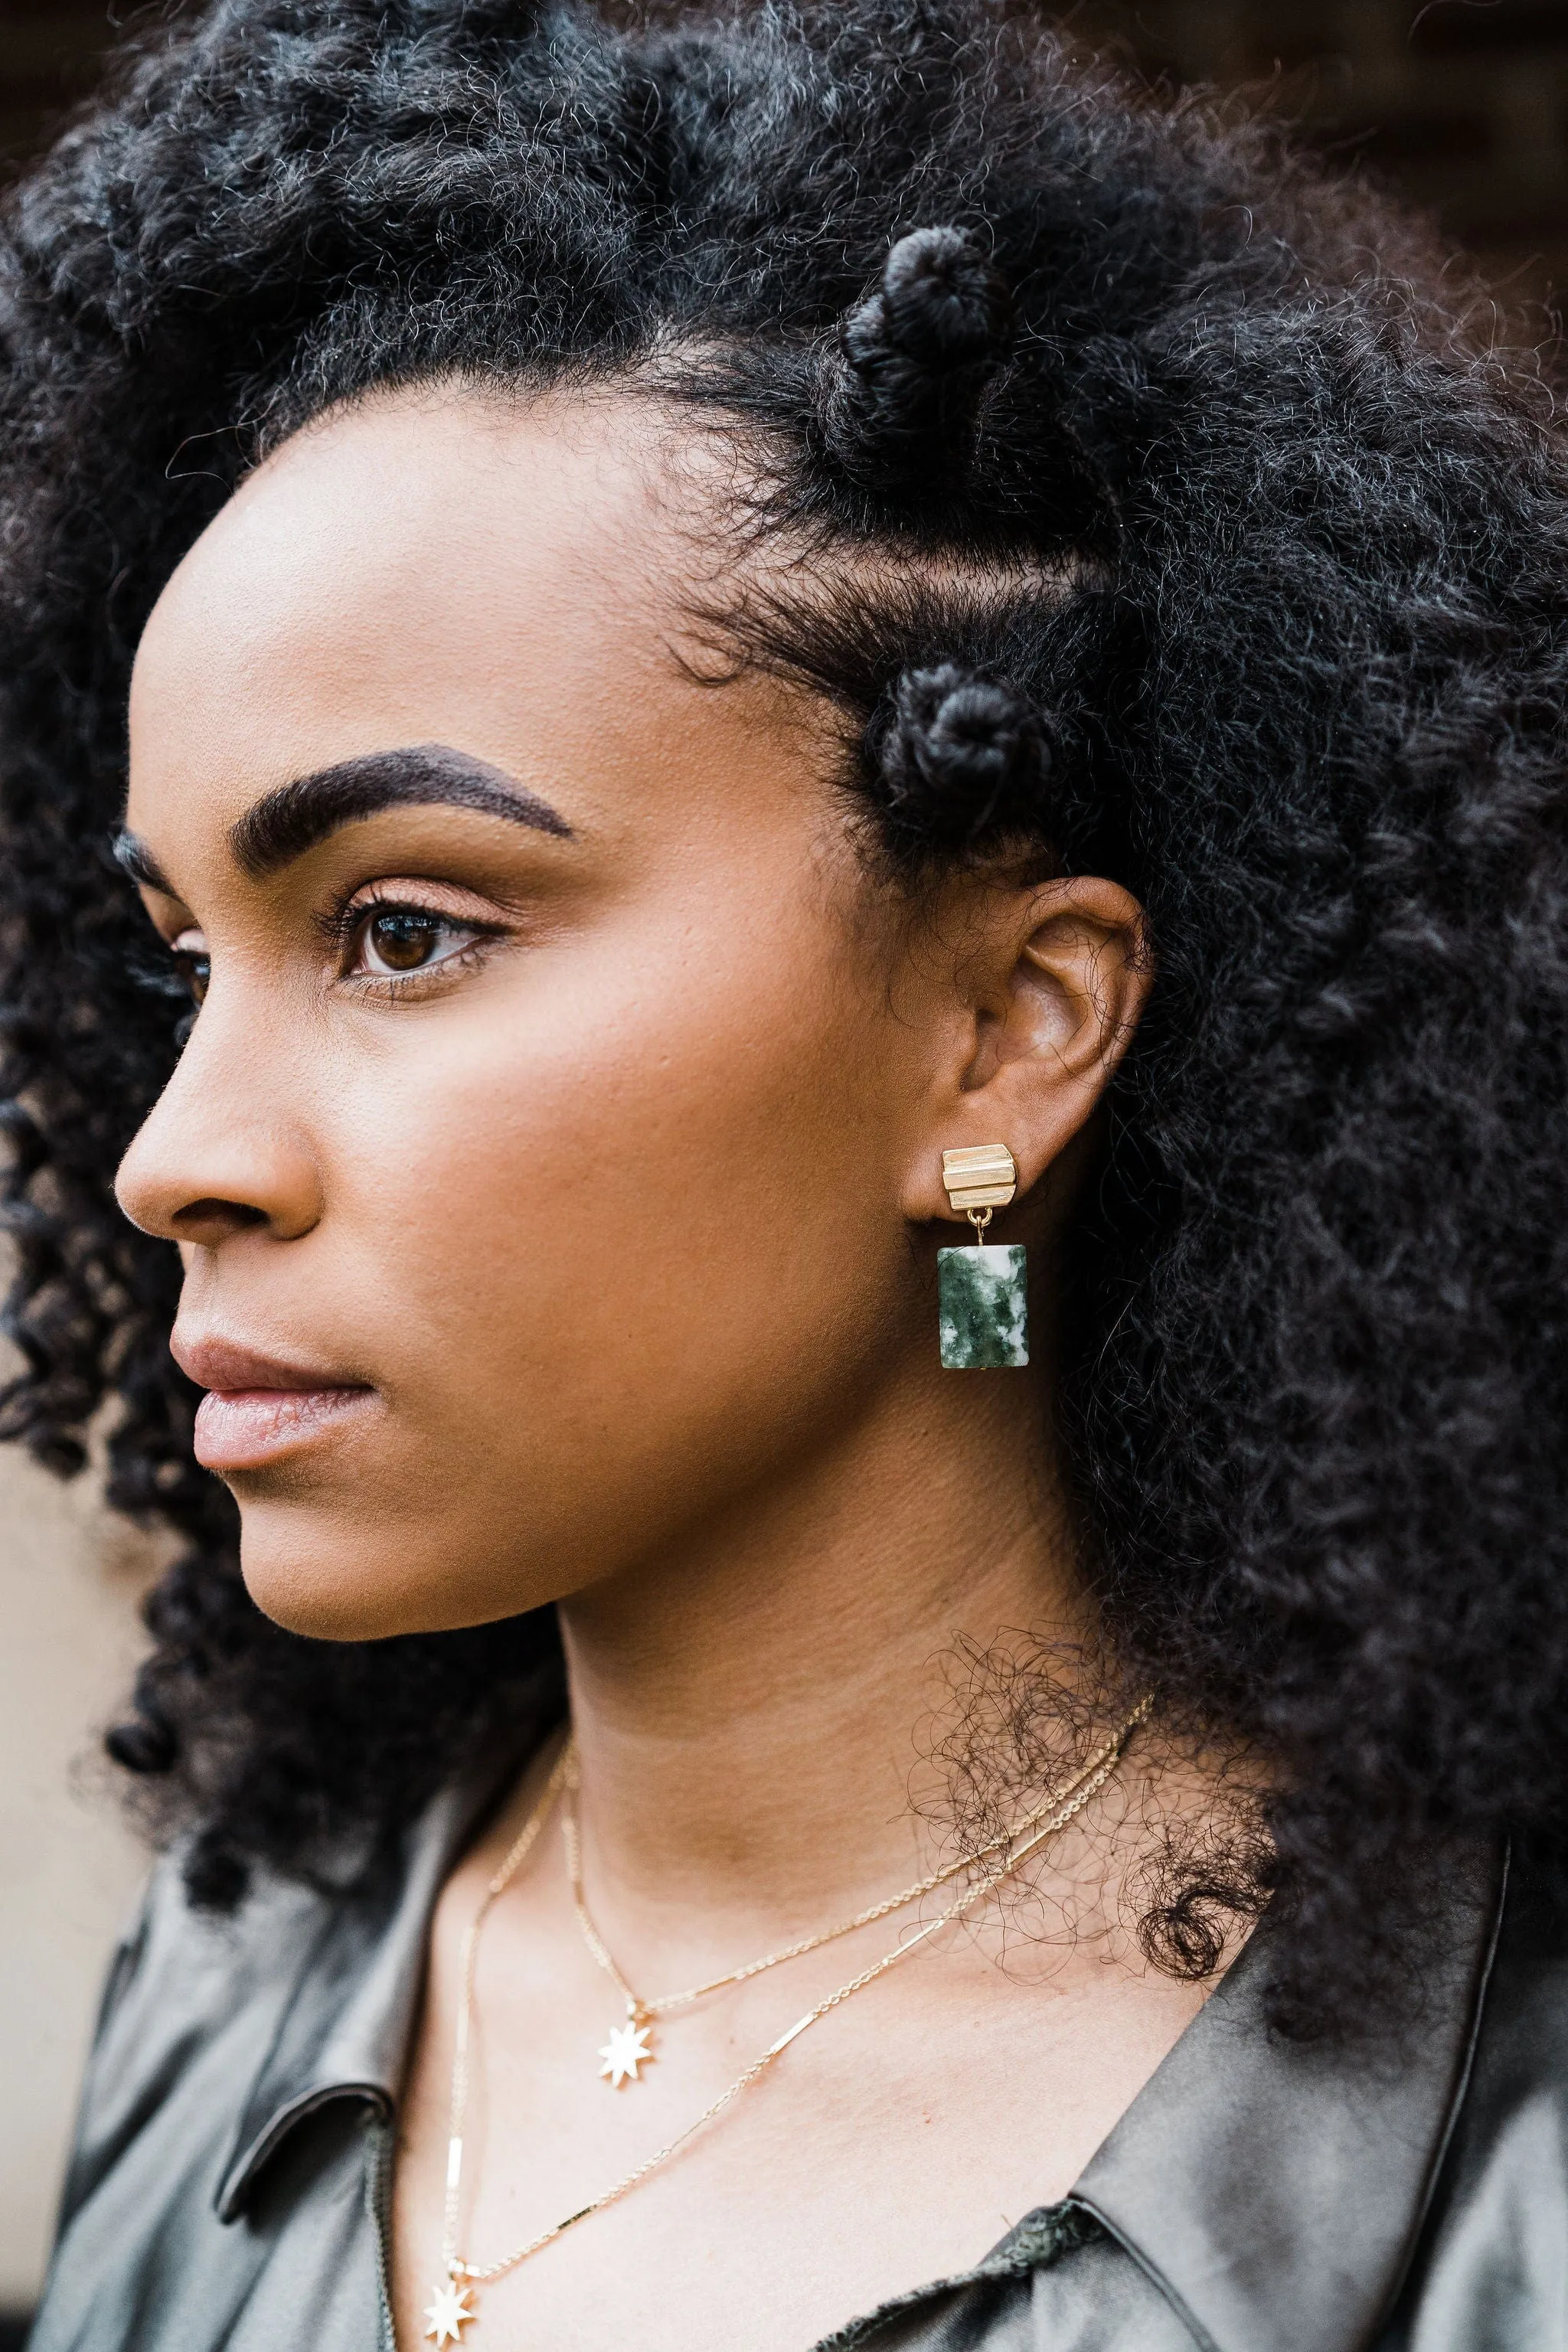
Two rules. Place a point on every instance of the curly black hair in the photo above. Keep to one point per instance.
(1164, 505)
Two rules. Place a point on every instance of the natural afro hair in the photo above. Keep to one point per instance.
(1156, 507)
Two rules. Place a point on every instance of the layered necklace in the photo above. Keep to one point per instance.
(629, 2047)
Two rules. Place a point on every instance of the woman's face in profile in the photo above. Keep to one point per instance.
(540, 1156)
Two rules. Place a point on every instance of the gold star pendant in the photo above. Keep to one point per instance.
(625, 2052)
(449, 2313)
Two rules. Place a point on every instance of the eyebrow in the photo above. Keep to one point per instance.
(284, 824)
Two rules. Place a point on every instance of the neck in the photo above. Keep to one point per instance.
(751, 1710)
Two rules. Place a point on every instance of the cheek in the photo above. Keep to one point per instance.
(623, 1227)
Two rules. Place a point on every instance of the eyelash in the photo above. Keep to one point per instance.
(341, 928)
(350, 922)
(157, 975)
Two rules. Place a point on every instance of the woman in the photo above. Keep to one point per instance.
(763, 648)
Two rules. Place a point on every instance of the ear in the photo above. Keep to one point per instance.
(1047, 985)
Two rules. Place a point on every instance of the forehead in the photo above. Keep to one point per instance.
(421, 565)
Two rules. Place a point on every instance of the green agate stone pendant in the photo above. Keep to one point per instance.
(983, 1307)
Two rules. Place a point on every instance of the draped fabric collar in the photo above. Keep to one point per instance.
(348, 2027)
(1275, 2191)
(1272, 2190)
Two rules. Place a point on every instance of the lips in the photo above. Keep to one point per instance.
(260, 1408)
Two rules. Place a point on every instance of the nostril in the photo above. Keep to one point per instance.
(213, 1220)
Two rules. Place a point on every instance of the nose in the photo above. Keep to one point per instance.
(212, 1160)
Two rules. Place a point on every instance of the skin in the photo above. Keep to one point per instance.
(592, 1260)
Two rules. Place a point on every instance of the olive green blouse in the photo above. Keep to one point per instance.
(230, 2183)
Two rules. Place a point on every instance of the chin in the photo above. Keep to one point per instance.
(337, 1576)
(326, 1599)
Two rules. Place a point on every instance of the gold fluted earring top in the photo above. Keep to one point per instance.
(985, 1176)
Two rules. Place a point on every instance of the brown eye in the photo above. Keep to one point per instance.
(399, 940)
(402, 942)
(191, 963)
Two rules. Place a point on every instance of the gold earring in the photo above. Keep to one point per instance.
(983, 1294)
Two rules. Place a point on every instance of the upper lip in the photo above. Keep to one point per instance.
(218, 1363)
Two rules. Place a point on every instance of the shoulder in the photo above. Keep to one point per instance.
(196, 2012)
(188, 1993)
(1492, 2266)
(236, 2108)
(234, 2121)
(1521, 2059)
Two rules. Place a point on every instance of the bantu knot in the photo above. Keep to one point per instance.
(915, 357)
(958, 757)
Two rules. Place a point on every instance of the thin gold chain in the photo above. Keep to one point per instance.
(657, 2005)
(516, 1854)
(1034, 1833)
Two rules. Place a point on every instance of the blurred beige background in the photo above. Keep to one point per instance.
(69, 1866)
(1464, 103)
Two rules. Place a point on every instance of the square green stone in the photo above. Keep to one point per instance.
(983, 1307)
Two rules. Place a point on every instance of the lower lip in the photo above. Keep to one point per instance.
(244, 1429)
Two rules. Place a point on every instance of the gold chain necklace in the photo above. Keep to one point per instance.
(452, 2308)
(630, 2046)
